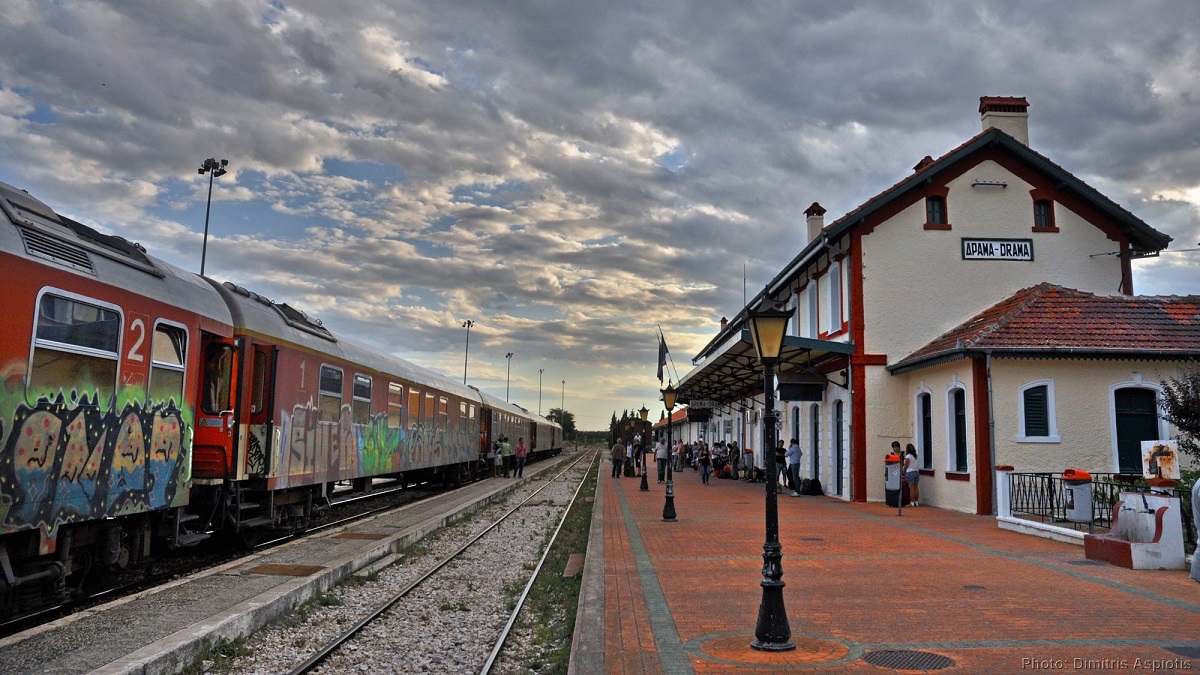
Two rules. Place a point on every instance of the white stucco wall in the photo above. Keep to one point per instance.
(936, 490)
(916, 285)
(1083, 410)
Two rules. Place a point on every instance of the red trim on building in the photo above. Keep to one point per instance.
(954, 475)
(858, 378)
(983, 438)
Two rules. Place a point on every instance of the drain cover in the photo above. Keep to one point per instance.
(907, 659)
(1189, 652)
(1086, 563)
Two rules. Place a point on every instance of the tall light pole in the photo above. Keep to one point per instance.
(540, 372)
(214, 169)
(467, 349)
(562, 406)
(772, 633)
(509, 379)
(645, 413)
(669, 396)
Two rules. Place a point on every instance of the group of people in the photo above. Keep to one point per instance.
(506, 458)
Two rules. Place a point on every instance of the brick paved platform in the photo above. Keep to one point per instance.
(867, 590)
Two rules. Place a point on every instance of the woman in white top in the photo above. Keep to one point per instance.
(912, 474)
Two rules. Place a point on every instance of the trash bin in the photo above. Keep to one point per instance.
(891, 479)
(1078, 488)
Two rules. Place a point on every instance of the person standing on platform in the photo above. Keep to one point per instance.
(793, 455)
(677, 456)
(1195, 574)
(912, 474)
(780, 466)
(704, 459)
(521, 451)
(618, 457)
(660, 457)
(506, 451)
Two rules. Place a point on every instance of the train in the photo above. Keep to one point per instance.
(145, 409)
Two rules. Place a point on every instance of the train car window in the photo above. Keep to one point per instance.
(218, 374)
(444, 412)
(258, 392)
(429, 409)
(395, 406)
(462, 409)
(167, 358)
(471, 413)
(75, 349)
(329, 403)
(362, 399)
(414, 408)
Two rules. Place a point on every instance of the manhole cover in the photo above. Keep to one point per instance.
(1086, 563)
(974, 587)
(907, 659)
(1189, 652)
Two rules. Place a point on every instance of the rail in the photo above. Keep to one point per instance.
(1042, 496)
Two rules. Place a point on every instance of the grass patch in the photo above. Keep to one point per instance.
(549, 613)
(215, 657)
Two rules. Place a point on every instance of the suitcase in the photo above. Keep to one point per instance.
(630, 472)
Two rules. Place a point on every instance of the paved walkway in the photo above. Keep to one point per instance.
(867, 590)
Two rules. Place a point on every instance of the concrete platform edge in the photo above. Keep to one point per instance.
(588, 641)
(170, 653)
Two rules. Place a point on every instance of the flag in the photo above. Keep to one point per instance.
(662, 355)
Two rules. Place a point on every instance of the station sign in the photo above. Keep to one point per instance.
(997, 249)
(703, 403)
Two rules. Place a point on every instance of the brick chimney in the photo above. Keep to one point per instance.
(1009, 114)
(724, 323)
(815, 215)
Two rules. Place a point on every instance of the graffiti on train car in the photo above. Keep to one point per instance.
(64, 461)
(334, 451)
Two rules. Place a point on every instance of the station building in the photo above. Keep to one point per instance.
(982, 309)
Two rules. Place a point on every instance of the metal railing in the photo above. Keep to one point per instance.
(1042, 496)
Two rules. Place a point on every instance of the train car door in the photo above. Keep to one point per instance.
(262, 431)
(212, 449)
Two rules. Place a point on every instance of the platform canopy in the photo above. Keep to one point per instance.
(731, 370)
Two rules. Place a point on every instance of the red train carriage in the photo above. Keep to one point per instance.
(287, 409)
(96, 423)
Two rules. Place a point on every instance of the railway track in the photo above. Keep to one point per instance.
(429, 611)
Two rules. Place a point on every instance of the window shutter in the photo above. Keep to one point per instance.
(1037, 421)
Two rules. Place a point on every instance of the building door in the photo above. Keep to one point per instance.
(1136, 411)
(959, 410)
(839, 446)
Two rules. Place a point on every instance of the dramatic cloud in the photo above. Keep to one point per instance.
(568, 175)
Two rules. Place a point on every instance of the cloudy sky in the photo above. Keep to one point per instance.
(568, 175)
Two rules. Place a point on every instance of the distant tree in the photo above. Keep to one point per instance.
(565, 418)
(1181, 403)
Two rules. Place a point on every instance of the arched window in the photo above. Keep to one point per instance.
(924, 426)
(838, 446)
(956, 422)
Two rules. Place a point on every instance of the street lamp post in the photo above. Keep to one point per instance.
(541, 371)
(669, 395)
(214, 169)
(467, 349)
(772, 633)
(508, 380)
(645, 413)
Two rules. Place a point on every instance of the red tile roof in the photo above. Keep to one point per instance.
(1049, 320)
(676, 417)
